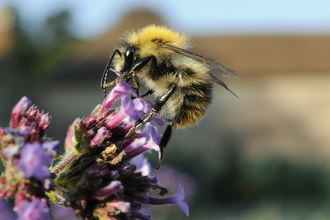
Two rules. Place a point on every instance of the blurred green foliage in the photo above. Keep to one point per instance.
(39, 52)
(36, 55)
(230, 186)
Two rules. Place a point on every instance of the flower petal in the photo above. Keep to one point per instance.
(34, 161)
(176, 199)
(34, 210)
(16, 114)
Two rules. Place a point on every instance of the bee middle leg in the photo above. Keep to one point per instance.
(136, 86)
(149, 92)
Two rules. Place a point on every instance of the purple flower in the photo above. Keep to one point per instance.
(118, 91)
(44, 122)
(113, 187)
(59, 212)
(122, 206)
(34, 210)
(16, 114)
(102, 133)
(69, 139)
(26, 154)
(176, 199)
(108, 170)
(103, 173)
(142, 165)
(142, 145)
(6, 211)
(34, 161)
(138, 108)
(131, 108)
(51, 147)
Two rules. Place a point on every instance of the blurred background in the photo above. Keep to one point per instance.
(264, 155)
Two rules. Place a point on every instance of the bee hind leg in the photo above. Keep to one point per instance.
(164, 141)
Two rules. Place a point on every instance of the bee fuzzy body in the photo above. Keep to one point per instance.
(180, 80)
(193, 91)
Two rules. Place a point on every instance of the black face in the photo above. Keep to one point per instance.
(129, 58)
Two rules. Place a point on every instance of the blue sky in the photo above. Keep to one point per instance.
(195, 17)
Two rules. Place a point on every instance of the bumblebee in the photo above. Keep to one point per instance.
(180, 80)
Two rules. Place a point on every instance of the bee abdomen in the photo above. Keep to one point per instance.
(194, 105)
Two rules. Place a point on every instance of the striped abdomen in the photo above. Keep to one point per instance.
(193, 104)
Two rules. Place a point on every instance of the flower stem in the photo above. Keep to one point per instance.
(68, 158)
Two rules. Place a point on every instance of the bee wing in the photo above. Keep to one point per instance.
(213, 65)
(210, 63)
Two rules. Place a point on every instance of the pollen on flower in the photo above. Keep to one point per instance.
(108, 151)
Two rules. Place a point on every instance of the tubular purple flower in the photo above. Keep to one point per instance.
(115, 120)
(139, 215)
(34, 161)
(131, 108)
(69, 139)
(113, 187)
(25, 130)
(32, 112)
(90, 120)
(6, 211)
(34, 210)
(118, 91)
(102, 133)
(137, 148)
(16, 114)
(142, 165)
(138, 108)
(178, 199)
(44, 122)
(122, 206)
(51, 147)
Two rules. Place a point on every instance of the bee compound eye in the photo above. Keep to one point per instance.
(129, 57)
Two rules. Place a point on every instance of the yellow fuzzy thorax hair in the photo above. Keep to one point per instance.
(144, 38)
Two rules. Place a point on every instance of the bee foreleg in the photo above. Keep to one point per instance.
(129, 74)
(143, 62)
(106, 71)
